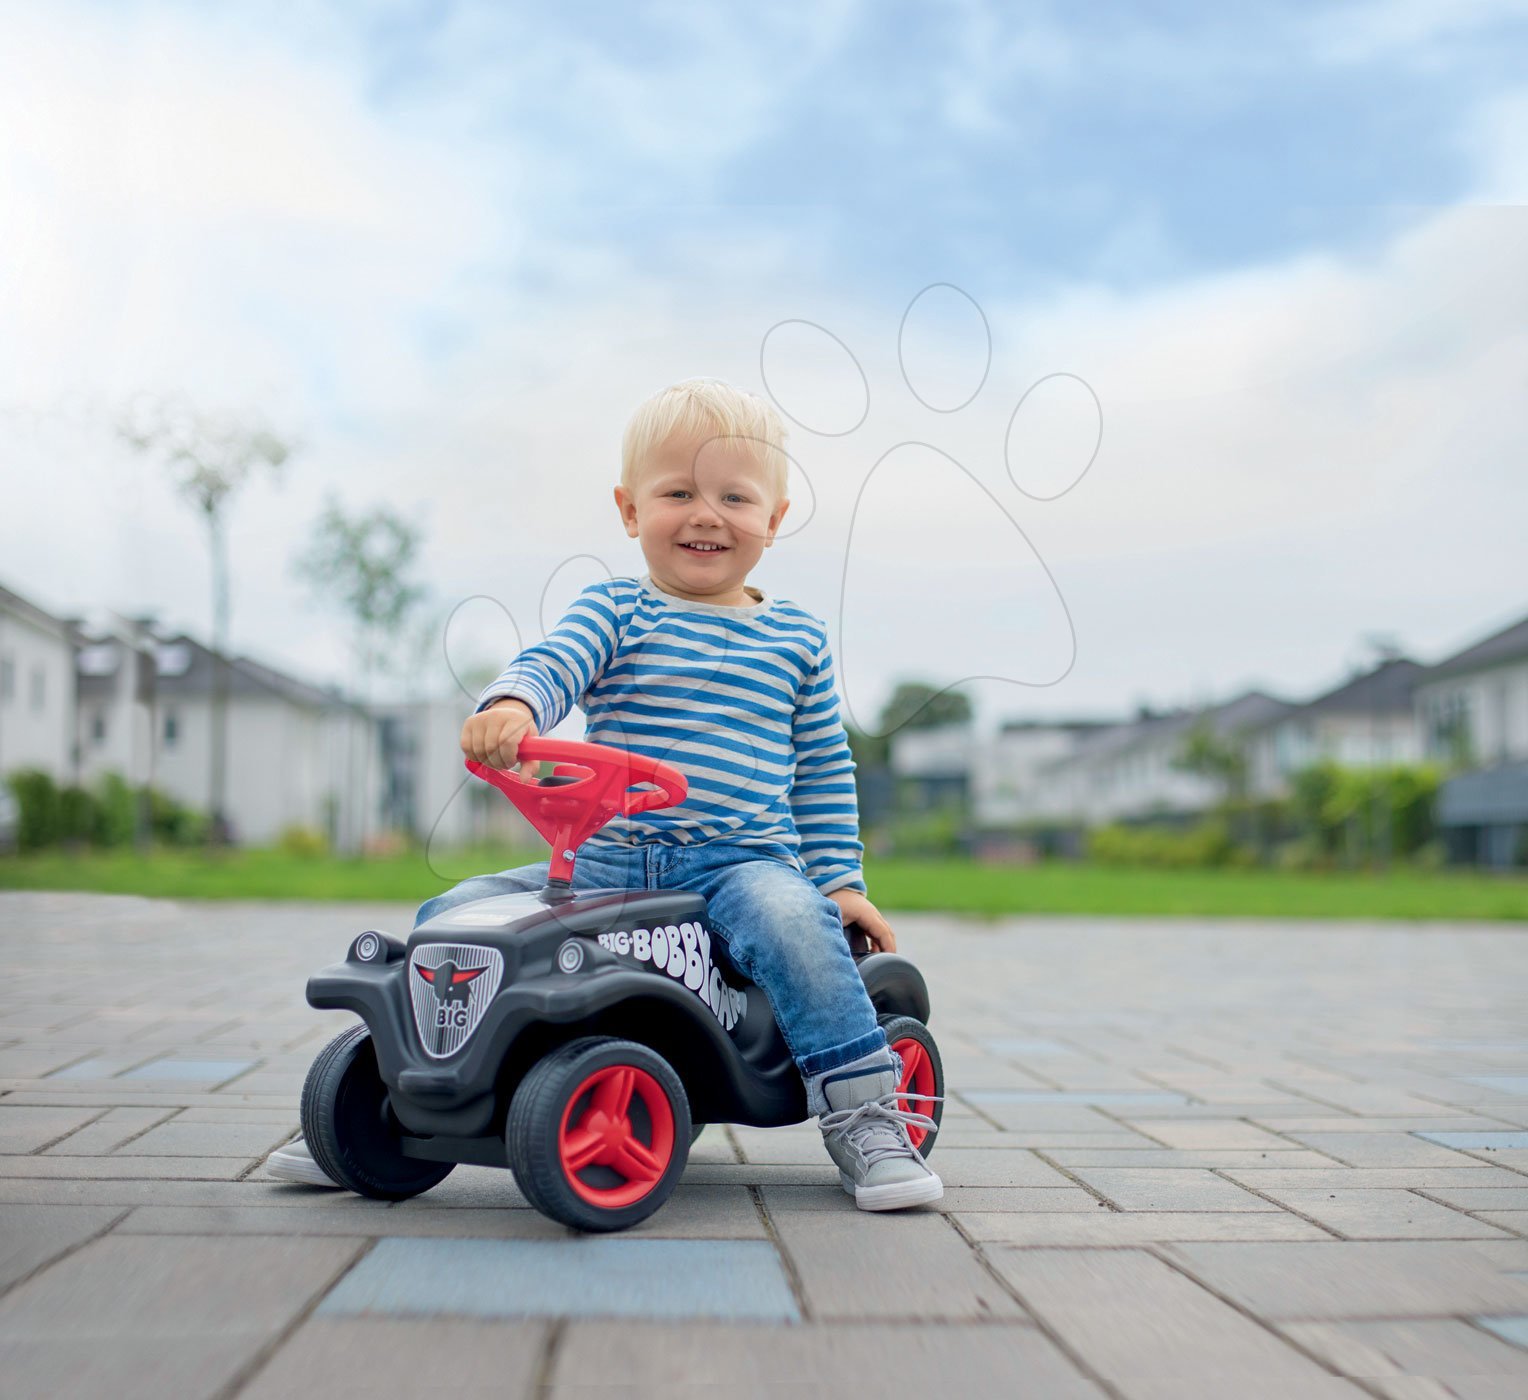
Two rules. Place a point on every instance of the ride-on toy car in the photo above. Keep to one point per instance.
(581, 1038)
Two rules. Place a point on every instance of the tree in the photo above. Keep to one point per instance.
(914, 705)
(361, 563)
(210, 458)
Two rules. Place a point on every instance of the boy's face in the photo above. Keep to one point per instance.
(705, 490)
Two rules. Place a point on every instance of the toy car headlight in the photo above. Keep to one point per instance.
(374, 947)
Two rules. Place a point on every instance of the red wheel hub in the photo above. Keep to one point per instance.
(616, 1138)
(917, 1078)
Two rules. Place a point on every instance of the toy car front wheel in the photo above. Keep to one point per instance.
(922, 1075)
(350, 1129)
(598, 1133)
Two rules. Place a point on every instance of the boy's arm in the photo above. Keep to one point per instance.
(822, 797)
(550, 677)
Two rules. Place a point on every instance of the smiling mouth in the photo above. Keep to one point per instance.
(690, 549)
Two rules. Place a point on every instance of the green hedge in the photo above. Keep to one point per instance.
(103, 815)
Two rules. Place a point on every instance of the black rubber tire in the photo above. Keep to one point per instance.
(910, 1028)
(348, 1129)
(533, 1132)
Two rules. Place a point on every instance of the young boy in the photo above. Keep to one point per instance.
(736, 689)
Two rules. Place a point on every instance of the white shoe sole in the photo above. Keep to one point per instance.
(297, 1167)
(895, 1194)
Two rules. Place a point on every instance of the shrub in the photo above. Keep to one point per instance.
(37, 821)
(77, 815)
(303, 842)
(116, 815)
(1208, 844)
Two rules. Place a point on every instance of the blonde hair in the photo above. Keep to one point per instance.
(705, 406)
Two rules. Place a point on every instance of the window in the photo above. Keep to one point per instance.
(98, 727)
(39, 687)
(171, 728)
(7, 677)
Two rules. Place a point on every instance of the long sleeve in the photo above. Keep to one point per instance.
(552, 676)
(822, 797)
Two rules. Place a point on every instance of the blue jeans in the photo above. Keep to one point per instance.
(781, 933)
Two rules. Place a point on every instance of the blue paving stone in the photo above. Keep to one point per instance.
(1079, 1096)
(1502, 1083)
(1002, 1046)
(215, 1071)
(1476, 1142)
(1509, 1329)
(735, 1279)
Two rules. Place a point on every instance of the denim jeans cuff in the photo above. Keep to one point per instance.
(821, 1061)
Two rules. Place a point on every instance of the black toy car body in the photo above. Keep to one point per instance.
(581, 1038)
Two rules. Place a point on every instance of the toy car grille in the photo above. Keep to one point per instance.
(451, 985)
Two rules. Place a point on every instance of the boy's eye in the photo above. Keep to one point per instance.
(732, 496)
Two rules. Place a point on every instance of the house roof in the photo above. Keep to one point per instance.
(1384, 690)
(1509, 644)
(13, 602)
(1071, 726)
(1246, 711)
(184, 668)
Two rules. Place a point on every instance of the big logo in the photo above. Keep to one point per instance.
(684, 952)
(451, 985)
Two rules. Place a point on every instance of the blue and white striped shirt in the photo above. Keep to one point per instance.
(742, 700)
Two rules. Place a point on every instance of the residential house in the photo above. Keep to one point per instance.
(1366, 721)
(36, 688)
(1472, 710)
(296, 754)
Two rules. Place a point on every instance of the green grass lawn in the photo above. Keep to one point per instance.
(951, 886)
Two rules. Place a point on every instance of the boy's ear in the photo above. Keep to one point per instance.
(628, 509)
(776, 516)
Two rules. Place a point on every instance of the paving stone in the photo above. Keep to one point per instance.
(200, 1071)
(1382, 1215)
(963, 1166)
(1053, 1118)
(1511, 1329)
(1482, 1198)
(1502, 1083)
(1353, 1279)
(375, 1223)
(898, 1264)
(352, 1356)
(1381, 1149)
(1375, 1125)
(130, 1316)
(1389, 1356)
(1168, 1188)
(148, 1168)
(577, 1277)
(755, 1363)
(25, 1191)
(24, 1129)
(1346, 1178)
(1211, 1134)
(107, 1131)
(1151, 1332)
(955, 1198)
(1513, 1220)
(31, 1235)
(23, 1063)
(1168, 1157)
(1477, 1141)
(177, 1139)
(1112, 1228)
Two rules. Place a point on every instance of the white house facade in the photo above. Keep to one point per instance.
(36, 688)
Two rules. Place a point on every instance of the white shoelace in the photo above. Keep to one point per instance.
(878, 1128)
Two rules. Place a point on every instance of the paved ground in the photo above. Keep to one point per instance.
(1183, 1159)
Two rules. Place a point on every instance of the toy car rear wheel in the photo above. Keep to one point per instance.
(350, 1129)
(922, 1074)
(599, 1133)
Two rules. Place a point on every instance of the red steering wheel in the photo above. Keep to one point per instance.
(567, 813)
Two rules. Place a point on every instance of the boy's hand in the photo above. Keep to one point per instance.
(854, 908)
(493, 737)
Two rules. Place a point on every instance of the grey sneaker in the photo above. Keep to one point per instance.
(866, 1134)
(295, 1163)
